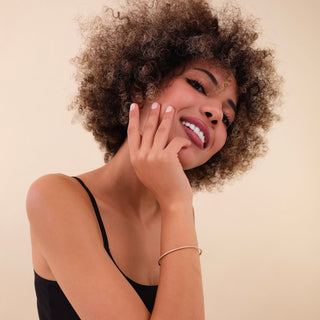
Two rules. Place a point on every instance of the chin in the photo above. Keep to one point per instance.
(189, 161)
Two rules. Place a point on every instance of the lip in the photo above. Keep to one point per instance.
(201, 125)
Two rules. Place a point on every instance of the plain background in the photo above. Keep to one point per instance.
(260, 236)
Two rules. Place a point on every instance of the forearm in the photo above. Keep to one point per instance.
(180, 292)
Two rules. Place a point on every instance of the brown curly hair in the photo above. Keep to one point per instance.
(139, 49)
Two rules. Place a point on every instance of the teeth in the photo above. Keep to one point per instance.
(195, 129)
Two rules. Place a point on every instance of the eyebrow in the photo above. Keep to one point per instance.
(209, 74)
(232, 105)
(215, 82)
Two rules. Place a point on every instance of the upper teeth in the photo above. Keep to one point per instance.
(195, 129)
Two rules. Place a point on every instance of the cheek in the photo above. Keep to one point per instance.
(220, 141)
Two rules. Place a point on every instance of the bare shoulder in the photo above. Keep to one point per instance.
(58, 204)
(48, 185)
(66, 235)
(53, 191)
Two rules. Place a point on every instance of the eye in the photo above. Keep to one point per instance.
(196, 85)
(226, 121)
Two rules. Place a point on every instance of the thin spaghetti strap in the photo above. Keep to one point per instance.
(105, 239)
(97, 212)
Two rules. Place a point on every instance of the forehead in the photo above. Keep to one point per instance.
(221, 72)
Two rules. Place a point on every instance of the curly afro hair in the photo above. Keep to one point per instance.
(137, 50)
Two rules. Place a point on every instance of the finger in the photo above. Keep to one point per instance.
(134, 138)
(162, 134)
(177, 143)
(150, 127)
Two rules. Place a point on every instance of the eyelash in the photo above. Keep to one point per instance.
(226, 121)
(196, 85)
(199, 87)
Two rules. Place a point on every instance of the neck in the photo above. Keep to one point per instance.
(120, 184)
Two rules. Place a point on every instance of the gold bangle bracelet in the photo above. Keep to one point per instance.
(179, 248)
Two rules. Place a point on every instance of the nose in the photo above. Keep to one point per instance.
(209, 115)
(213, 113)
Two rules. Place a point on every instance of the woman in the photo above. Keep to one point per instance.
(179, 98)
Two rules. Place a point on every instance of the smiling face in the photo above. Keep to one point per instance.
(204, 96)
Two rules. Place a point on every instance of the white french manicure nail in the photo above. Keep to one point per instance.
(154, 105)
(169, 109)
(132, 106)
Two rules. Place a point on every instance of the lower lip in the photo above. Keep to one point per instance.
(194, 137)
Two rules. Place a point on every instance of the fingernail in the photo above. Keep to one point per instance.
(154, 105)
(169, 109)
(132, 106)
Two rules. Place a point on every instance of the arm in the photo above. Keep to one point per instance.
(180, 293)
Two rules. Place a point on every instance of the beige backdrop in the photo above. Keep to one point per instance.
(260, 235)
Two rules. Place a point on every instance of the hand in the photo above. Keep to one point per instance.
(155, 160)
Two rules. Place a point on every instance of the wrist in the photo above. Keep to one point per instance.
(176, 206)
(177, 209)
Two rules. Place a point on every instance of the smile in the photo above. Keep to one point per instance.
(196, 130)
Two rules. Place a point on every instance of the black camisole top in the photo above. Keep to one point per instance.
(52, 304)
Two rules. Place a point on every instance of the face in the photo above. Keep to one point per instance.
(204, 96)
